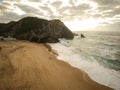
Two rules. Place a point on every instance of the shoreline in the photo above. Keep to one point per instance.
(31, 66)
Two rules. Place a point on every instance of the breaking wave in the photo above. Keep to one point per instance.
(98, 55)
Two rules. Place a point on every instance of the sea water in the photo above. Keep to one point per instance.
(98, 55)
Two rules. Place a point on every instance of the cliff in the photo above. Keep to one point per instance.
(37, 30)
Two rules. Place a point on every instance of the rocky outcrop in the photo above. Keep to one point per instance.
(35, 29)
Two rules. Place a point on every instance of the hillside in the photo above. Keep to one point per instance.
(35, 29)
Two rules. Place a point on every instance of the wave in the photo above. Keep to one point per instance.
(110, 63)
(98, 57)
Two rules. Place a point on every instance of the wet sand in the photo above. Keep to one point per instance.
(30, 66)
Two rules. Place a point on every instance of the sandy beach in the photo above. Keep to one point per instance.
(30, 66)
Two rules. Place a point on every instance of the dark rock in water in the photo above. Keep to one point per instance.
(37, 30)
(82, 36)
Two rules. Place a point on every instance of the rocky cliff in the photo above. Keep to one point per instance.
(35, 29)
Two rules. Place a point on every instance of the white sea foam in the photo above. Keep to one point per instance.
(79, 55)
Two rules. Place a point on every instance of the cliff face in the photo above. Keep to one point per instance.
(38, 30)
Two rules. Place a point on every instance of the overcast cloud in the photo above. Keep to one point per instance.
(105, 12)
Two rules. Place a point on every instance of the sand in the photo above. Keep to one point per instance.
(30, 66)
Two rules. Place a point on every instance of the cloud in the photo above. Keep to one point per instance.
(108, 8)
(40, 1)
(57, 4)
(29, 9)
(107, 2)
(6, 17)
(4, 5)
(103, 11)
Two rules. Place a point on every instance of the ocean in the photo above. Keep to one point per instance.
(98, 55)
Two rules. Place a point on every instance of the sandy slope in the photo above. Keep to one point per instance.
(30, 66)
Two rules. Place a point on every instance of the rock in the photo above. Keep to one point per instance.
(37, 30)
(82, 36)
(0, 48)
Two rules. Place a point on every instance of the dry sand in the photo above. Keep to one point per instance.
(31, 66)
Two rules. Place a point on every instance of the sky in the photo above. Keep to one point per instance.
(76, 14)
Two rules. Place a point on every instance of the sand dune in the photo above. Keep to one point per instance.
(31, 66)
